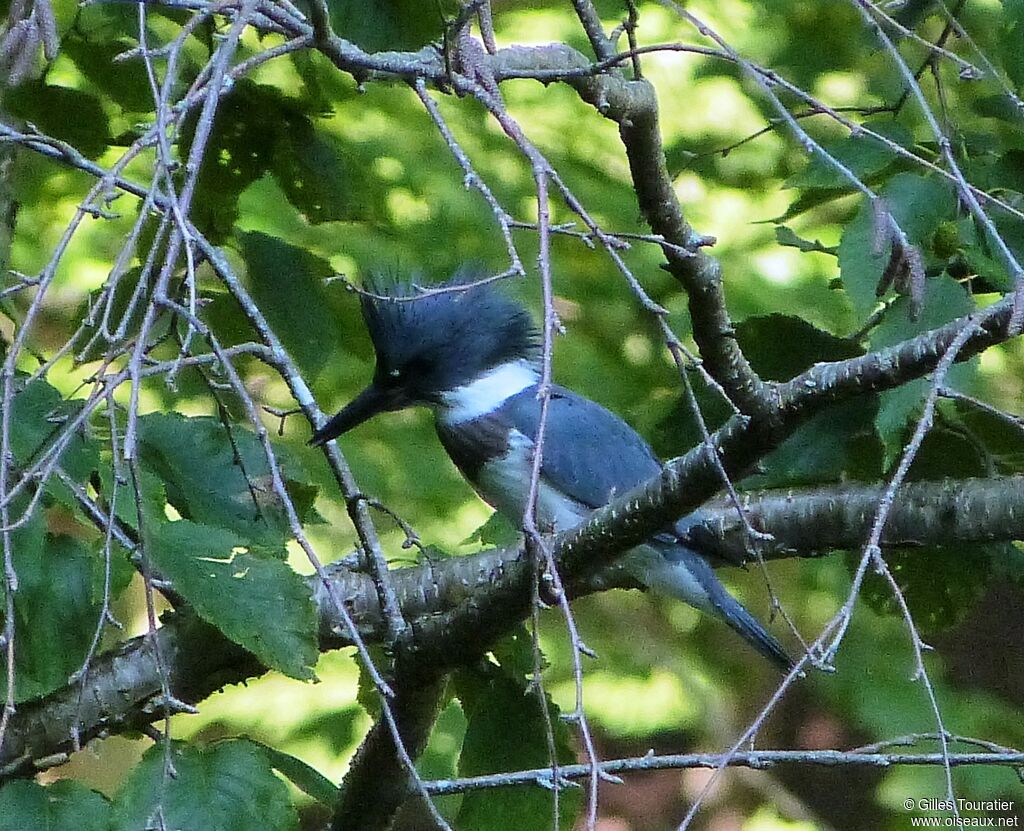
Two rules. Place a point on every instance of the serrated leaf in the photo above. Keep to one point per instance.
(259, 603)
(227, 787)
(920, 205)
(66, 804)
(56, 608)
(217, 479)
(788, 238)
(287, 284)
(38, 414)
(497, 532)
(493, 699)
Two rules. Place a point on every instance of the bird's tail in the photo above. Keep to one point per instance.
(679, 572)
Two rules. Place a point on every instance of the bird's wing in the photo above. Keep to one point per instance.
(590, 454)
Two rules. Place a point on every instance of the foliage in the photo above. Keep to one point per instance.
(119, 402)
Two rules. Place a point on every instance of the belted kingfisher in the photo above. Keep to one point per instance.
(472, 355)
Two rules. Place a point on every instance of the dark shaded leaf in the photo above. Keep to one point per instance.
(389, 24)
(28, 806)
(837, 444)
(287, 285)
(318, 177)
(782, 346)
(306, 778)
(494, 698)
(227, 787)
(72, 115)
(56, 608)
(940, 584)
(122, 81)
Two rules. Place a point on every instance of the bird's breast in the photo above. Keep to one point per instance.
(474, 443)
(498, 462)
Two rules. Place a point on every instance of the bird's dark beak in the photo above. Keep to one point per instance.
(366, 405)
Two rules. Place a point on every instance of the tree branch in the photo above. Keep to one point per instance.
(123, 685)
(756, 759)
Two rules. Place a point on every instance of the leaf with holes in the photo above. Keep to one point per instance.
(259, 603)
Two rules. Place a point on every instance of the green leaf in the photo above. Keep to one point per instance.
(920, 205)
(259, 130)
(493, 699)
(949, 451)
(782, 346)
(390, 24)
(318, 175)
(862, 154)
(1012, 41)
(126, 508)
(306, 778)
(66, 804)
(260, 604)
(367, 693)
(287, 284)
(837, 444)
(56, 608)
(497, 532)
(940, 583)
(337, 730)
(944, 300)
(121, 80)
(788, 238)
(219, 479)
(227, 787)
(61, 112)
(1002, 440)
(239, 151)
(38, 414)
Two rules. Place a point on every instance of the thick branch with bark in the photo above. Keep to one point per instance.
(123, 686)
